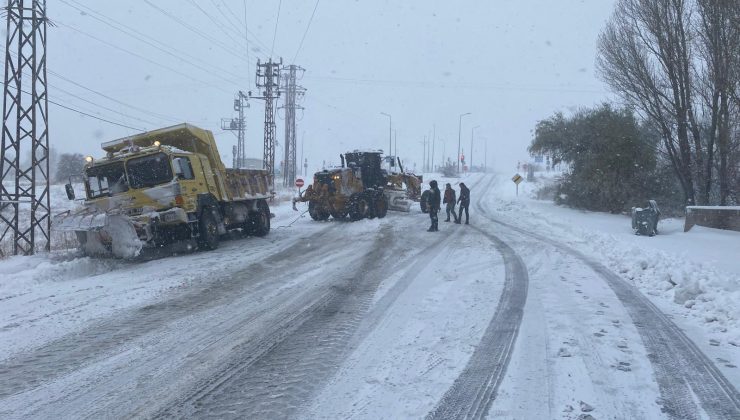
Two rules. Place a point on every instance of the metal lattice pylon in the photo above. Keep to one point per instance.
(268, 78)
(240, 126)
(292, 94)
(24, 160)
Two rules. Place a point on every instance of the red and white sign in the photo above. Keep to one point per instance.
(299, 182)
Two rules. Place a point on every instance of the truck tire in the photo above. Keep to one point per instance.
(208, 230)
(358, 207)
(261, 219)
(317, 212)
(338, 214)
(381, 206)
(424, 203)
(372, 200)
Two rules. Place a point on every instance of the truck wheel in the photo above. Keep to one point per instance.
(381, 206)
(358, 207)
(424, 203)
(338, 214)
(261, 219)
(208, 230)
(317, 212)
(372, 200)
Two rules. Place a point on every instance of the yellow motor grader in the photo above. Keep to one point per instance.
(402, 189)
(356, 189)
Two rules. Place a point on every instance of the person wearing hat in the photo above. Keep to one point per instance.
(434, 205)
(449, 200)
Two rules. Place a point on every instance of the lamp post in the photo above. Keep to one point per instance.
(390, 136)
(459, 136)
(472, 131)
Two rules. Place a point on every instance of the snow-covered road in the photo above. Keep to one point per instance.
(514, 316)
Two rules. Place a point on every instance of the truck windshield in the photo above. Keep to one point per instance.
(148, 171)
(106, 180)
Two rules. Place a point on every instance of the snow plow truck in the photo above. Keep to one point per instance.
(161, 187)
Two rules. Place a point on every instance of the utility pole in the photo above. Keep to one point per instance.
(303, 138)
(459, 137)
(485, 158)
(390, 129)
(25, 187)
(472, 131)
(240, 126)
(424, 158)
(434, 141)
(395, 142)
(268, 79)
(293, 93)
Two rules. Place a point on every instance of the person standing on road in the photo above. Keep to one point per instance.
(434, 206)
(464, 201)
(449, 199)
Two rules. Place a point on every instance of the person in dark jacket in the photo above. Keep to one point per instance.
(449, 199)
(464, 201)
(434, 206)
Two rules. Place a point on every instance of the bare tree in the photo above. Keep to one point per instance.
(718, 42)
(645, 54)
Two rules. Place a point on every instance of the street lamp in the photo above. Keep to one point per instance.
(459, 134)
(390, 137)
(472, 131)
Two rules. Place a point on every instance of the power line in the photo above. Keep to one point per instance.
(306, 31)
(217, 23)
(160, 116)
(437, 85)
(93, 116)
(139, 56)
(104, 107)
(133, 33)
(88, 101)
(235, 26)
(274, 34)
(190, 27)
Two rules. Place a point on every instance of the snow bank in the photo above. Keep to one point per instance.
(696, 273)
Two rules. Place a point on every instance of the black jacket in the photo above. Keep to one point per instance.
(464, 195)
(435, 198)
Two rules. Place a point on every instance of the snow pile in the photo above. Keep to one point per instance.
(696, 274)
(705, 292)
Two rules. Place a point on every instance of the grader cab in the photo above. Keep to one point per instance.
(355, 189)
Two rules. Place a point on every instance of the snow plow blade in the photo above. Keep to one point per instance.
(100, 233)
(398, 201)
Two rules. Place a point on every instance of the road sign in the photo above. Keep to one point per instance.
(299, 182)
(517, 179)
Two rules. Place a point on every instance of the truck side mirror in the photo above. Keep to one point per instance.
(179, 172)
(70, 191)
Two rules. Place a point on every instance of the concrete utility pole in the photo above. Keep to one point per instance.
(459, 137)
(25, 187)
(390, 138)
(293, 94)
(268, 79)
(434, 142)
(240, 126)
(472, 131)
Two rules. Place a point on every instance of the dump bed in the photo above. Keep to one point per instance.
(247, 184)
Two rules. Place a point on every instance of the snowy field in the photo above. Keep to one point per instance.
(372, 319)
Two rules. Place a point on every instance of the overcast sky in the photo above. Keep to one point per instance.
(509, 63)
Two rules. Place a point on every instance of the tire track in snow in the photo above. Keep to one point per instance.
(26, 371)
(275, 378)
(684, 374)
(474, 390)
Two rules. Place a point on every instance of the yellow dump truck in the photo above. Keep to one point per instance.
(161, 187)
